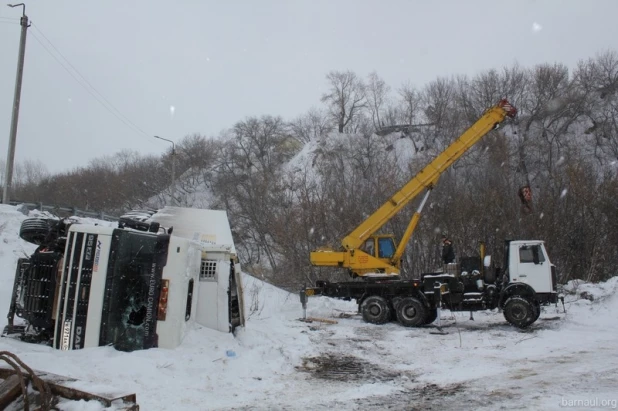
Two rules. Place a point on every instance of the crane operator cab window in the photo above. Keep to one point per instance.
(386, 247)
(368, 247)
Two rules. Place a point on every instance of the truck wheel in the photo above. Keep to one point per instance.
(411, 312)
(519, 311)
(537, 311)
(431, 316)
(34, 230)
(376, 310)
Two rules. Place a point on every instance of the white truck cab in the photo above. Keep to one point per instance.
(528, 263)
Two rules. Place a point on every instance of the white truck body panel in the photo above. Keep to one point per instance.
(211, 229)
(212, 308)
(182, 266)
(97, 290)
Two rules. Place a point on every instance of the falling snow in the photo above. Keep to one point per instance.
(172, 110)
(536, 27)
(564, 193)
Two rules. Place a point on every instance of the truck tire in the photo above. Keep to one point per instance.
(376, 310)
(519, 311)
(411, 312)
(537, 311)
(34, 230)
(432, 314)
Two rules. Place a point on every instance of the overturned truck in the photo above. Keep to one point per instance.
(135, 286)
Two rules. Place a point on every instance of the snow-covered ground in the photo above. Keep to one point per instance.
(280, 363)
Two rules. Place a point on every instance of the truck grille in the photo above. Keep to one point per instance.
(74, 291)
(35, 293)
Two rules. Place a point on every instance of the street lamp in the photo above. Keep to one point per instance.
(173, 168)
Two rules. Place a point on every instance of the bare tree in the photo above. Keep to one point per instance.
(345, 99)
(310, 126)
(377, 98)
(411, 101)
(248, 184)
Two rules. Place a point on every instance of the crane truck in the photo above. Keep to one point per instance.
(526, 281)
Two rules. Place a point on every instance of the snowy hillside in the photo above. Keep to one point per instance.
(193, 188)
(279, 363)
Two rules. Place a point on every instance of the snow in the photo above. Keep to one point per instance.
(279, 362)
(536, 27)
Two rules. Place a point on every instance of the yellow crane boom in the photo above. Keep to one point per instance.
(365, 253)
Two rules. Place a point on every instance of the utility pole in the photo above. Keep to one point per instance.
(173, 168)
(8, 175)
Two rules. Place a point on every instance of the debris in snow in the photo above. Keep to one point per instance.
(585, 295)
(564, 193)
(536, 27)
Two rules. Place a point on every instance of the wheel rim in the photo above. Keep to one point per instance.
(519, 313)
(410, 312)
(375, 310)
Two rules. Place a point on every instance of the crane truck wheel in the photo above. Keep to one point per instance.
(411, 312)
(520, 312)
(34, 230)
(376, 310)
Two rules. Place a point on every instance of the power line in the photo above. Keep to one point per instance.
(128, 124)
(87, 82)
(90, 89)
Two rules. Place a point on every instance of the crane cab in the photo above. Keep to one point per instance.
(380, 246)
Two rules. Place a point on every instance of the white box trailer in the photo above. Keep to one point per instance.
(137, 286)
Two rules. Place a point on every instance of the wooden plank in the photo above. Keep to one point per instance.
(10, 389)
(322, 320)
(72, 393)
(69, 388)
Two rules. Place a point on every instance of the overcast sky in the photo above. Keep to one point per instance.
(179, 67)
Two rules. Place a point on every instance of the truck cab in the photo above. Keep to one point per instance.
(527, 262)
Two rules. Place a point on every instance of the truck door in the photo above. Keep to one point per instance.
(533, 268)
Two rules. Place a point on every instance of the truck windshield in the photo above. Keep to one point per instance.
(129, 317)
